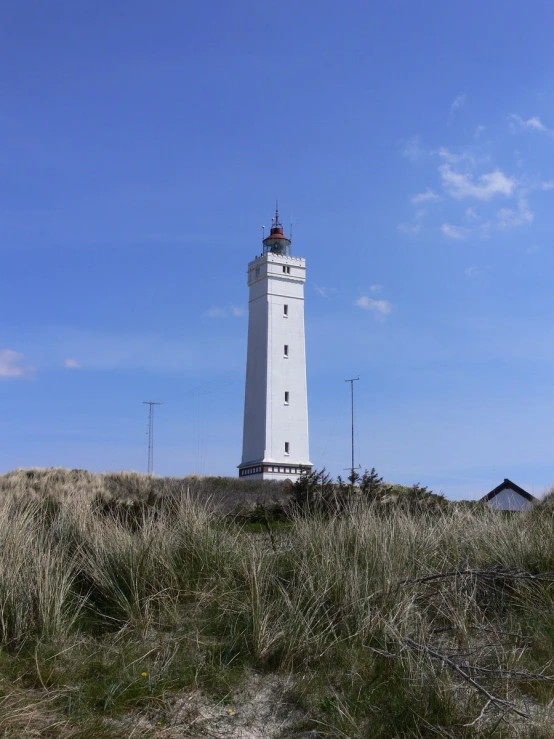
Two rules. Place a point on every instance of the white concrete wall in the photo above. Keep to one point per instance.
(268, 421)
(510, 500)
(253, 440)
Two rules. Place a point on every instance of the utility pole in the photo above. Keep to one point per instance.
(352, 467)
(150, 404)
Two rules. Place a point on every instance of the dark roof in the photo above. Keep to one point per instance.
(508, 484)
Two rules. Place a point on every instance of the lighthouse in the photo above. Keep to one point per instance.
(275, 435)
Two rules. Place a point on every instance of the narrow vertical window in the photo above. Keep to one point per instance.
(285, 310)
(286, 350)
(286, 397)
(286, 447)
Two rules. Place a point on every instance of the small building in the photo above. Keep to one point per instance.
(509, 497)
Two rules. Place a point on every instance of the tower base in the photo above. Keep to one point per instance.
(273, 471)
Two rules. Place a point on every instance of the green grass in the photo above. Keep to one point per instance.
(379, 625)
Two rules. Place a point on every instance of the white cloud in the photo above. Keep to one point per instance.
(454, 232)
(533, 249)
(458, 103)
(508, 218)
(537, 124)
(215, 312)
(425, 197)
(548, 185)
(12, 364)
(413, 150)
(451, 158)
(478, 131)
(376, 288)
(380, 307)
(71, 363)
(517, 123)
(325, 292)
(462, 185)
(237, 311)
(471, 215)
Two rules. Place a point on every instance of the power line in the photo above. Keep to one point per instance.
(151, 404)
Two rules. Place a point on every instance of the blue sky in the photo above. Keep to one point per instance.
(142, 146)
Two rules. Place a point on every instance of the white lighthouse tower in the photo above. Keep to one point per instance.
(275, 437)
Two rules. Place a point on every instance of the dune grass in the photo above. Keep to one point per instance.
(379, 626)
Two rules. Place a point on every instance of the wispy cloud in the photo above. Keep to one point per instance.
(461, 185)
(325, 292)
(458, 103)
(425, 197)
(13, 365)
(413, 150)
(380, 307)
(454, 232)
(470, 271)
(410, 229)
(517, 123)
(469, 174)
(452, 158)
(190, 352)
(376, 288)
(217, 312)
(70, 363)
(508, 218)
(415, 226)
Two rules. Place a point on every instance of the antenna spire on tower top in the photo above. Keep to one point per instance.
(276, 214)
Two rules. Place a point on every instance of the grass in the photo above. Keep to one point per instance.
(126, 601)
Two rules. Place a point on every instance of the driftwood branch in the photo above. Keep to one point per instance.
(498, 702)
(490, 573)
(516, 674)
(480, 716)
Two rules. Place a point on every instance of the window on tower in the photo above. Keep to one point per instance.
(286, 350)
(286, 397)
(285, 310)
(286, 447)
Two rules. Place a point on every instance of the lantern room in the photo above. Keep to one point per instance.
(277, 242)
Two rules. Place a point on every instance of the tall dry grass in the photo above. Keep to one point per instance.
(395, 625)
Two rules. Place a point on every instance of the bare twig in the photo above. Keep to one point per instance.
(520, 674)
(490, 573)
(499, 702)
(480, 716)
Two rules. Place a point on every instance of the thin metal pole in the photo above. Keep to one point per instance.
(352, 381)
(151, 404)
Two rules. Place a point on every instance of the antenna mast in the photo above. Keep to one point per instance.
(352, 467)
(150, 404)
